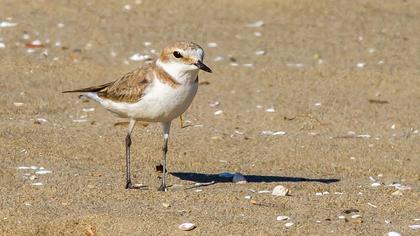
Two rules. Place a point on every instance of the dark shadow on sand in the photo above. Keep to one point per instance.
(204, 178)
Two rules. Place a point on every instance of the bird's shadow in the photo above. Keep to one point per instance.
(204, 178)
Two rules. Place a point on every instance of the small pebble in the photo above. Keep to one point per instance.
(166, 205)
(247, 197)
(356, 216)
(280, 190)
(186, 226)
(257, 34)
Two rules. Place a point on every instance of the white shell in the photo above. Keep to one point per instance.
(239, 178)
(281, 218)
(393, 233)
(289, 224)
(280, 190)
(186, 226)
(256, 24)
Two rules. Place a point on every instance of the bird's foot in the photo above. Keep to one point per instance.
(129, 185)
(163, 188)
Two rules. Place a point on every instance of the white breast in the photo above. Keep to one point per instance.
(161, 102)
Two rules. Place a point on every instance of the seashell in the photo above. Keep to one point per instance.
(376, 184)
(218, 112)
(43, 172)
(256, 24)
(280, 190)
(281, 218)
(139, 57)
(260, 52)
(212, 45)
(239, 178)
(393, 233)
(186, 226)
(5, 24)
(289, 224)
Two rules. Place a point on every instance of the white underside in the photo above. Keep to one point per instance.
(161, 102)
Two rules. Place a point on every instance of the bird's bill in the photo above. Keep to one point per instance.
(202, 66)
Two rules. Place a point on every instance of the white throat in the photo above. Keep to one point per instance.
(179, 72)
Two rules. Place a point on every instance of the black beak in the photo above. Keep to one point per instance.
(202, 66)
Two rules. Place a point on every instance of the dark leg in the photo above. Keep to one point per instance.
(128, 184)
(166, 127)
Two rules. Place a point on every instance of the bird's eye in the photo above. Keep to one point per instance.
(177, 54)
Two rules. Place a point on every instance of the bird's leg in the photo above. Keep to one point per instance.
(131, 125)
(166, 128)
(181, 121)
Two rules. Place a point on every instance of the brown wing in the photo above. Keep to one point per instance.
(129, 88)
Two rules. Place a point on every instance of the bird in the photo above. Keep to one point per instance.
(158, 92)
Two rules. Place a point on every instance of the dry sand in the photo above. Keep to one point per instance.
(332, 71)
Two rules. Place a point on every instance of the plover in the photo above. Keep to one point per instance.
(157, 92)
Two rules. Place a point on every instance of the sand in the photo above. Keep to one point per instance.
(338, 81)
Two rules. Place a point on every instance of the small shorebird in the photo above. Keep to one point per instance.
(158, 92)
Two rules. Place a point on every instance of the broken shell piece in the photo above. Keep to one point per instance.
(139, 57)
(166, 205)
(397, 193)
(281, 218)
(5, 24)
(256, 24)
(218, 112)
(260, 52)
(289, 224)
(376, 184)
(43, 172)
(212, 45)
(393, 233)
(18, 104)
(356, 216)
(280, 190)
(360, 65)
(414, 226)
(239, 178)
(186, 226)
